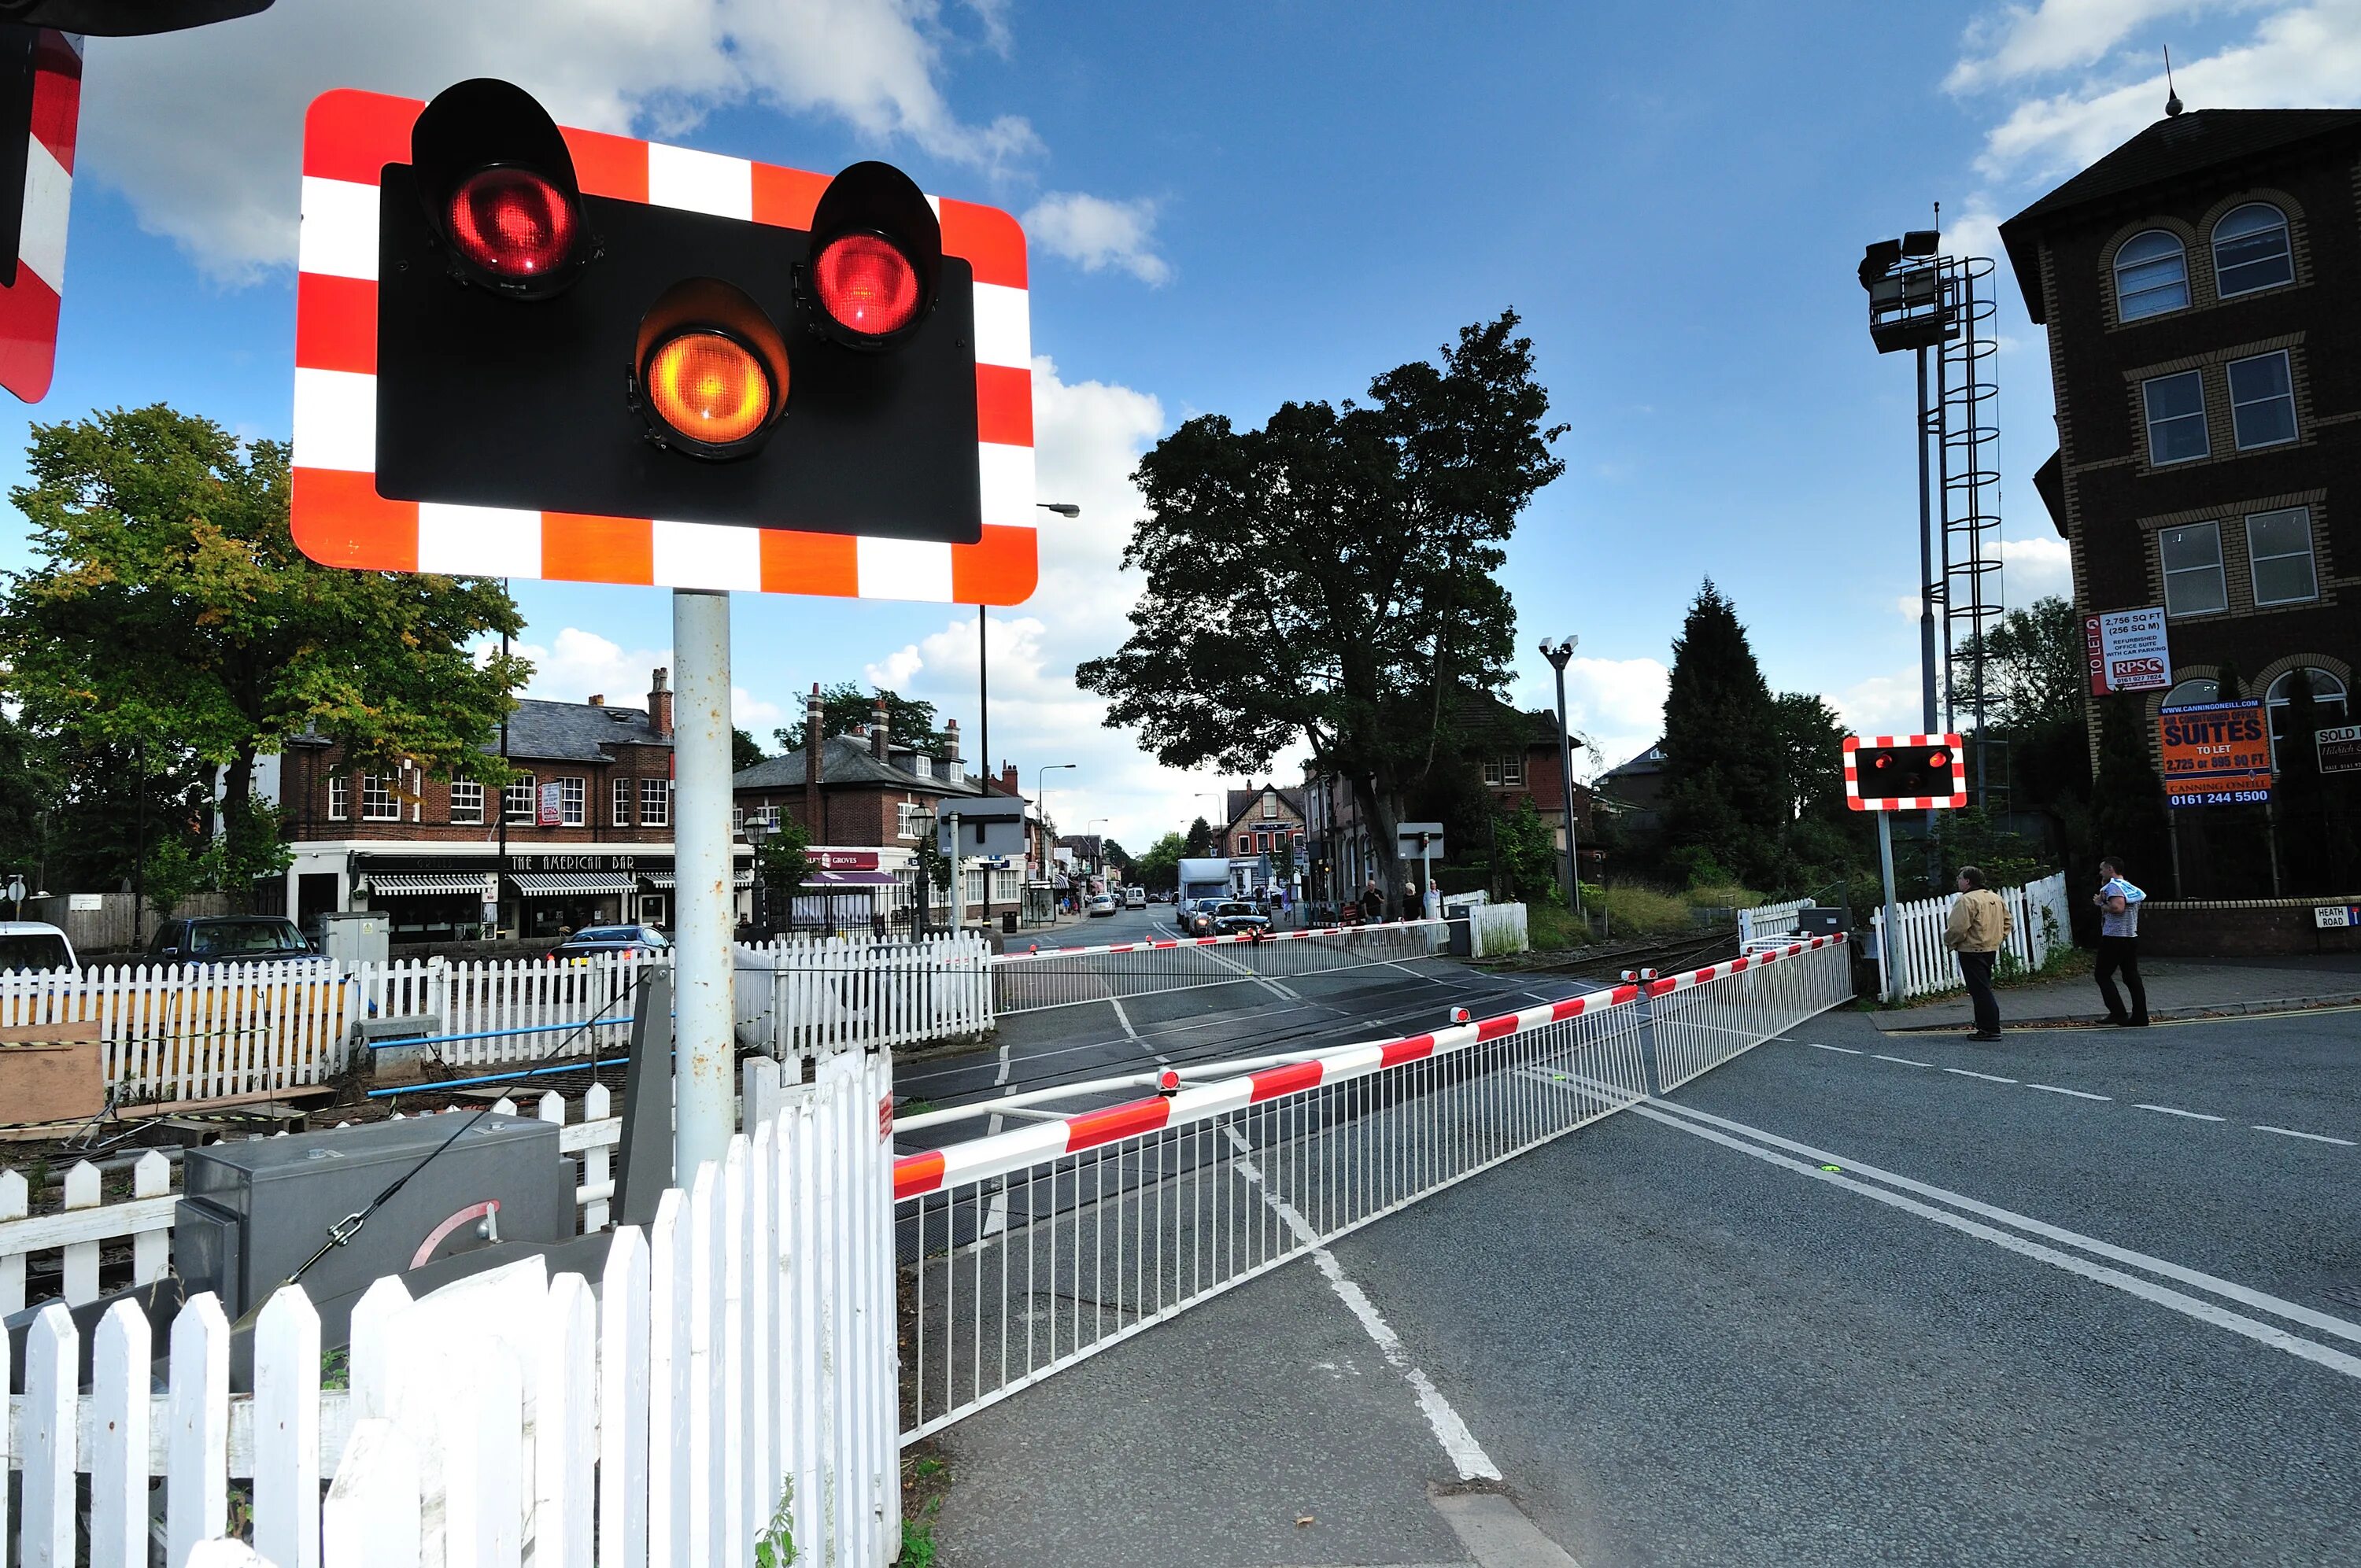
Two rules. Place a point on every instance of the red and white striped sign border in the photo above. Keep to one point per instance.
(1162, 942)
(1856, 743)
(28, 307)
(341, 521)
(957, 1164)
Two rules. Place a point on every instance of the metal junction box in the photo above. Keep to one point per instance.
(251, 1212)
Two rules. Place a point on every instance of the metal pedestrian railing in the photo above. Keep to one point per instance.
(1022, 1251)
(1062, 977)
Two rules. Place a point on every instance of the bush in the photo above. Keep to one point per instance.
(1637, 910)
(1723, 896)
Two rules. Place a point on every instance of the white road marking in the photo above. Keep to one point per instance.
(1845, 1050)
(1906, 1062)
(2169, 1111)
(2245, 1296)
(2077, 1093)
(1460, 1444)
(2148, 1290)
(1131, 1034)
(1987, 1077)
(2313, 1137)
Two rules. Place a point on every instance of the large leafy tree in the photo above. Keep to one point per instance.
(744, 750)
(1727, 802)
(1159, 864)
(2035, 667)
(168, 612)
(1200, 841)
(1333, 576)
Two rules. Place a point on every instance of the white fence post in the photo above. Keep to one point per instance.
(286, 1430)
(197, 1473)
(118, 1470)
(373, 1515)
(52, 1378)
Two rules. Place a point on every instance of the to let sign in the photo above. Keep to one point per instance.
(2215, 754)
(549, 807)
(2340, 749)
(2128, 650)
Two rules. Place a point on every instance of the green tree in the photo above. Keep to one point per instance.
(1525, 857)
(744, 750)
(1727, 802)
(2034, 669)
(1811, 747)
(1199, 844)
(1334, 576)
(1160, 863)
(781, 860)
(845, 707)
(168, 609)
(1282, 858)
(2128, 815)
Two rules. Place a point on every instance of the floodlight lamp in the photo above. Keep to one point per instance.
(1878, 260)
(1922, 242)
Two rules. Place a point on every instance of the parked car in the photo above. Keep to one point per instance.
(593, 939)
(34, 945)
(1134, 898)
(1234, 917)
(229, 939)
(1103, 903)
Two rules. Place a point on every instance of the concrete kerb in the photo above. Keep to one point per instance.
(1897, 1022)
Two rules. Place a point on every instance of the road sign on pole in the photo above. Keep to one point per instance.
(525, 351)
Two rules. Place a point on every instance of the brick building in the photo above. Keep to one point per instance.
(587, 828)
(2197, 287)
(1261, 818)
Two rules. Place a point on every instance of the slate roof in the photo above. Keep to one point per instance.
(572, 732)
(845, 760)
(1242, 800)
(2172, 149)
(1651, 760)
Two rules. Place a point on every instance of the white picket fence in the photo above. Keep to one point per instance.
(731, 1381)
(210, 1031)
(1495, 928)
(1769, 919)
(2040, 924)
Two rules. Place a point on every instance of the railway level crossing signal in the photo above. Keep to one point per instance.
(1886, 773)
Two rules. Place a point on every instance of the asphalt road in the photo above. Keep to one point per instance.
(2092, 1298)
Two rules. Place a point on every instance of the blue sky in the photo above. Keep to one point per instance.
(1233, 206)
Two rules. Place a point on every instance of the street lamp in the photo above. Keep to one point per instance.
(1041, 800)
(1063, 509)
(1559, 651)
(1102, 854)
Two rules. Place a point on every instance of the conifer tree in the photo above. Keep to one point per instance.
(1728, 803)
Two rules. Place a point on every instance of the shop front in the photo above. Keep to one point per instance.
(446, 893)
(432, 907)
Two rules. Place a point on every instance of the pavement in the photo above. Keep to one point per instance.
(2089, 1297)
(2177, 988)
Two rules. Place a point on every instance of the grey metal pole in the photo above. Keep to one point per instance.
(1889, 941)
(704, 960)
(1566, 781)
(1925, 559)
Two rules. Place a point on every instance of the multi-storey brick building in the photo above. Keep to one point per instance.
(2205, 356)
(1262, 818)
(583, 837)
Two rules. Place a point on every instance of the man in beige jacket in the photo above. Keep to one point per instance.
(1979, 926)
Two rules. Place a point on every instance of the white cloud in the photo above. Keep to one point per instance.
(1909, 605)
(2305, 55)
(577, 665)
(2035, 568)
(2056, 35)
(1883, 704)
(1616, 704)
(1088, 436)
(201, 129)
(1097, 233)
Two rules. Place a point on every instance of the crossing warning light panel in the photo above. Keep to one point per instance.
(1904, 773)
(528, 351)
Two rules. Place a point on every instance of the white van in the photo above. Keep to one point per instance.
(1134, 898)
(34, 945)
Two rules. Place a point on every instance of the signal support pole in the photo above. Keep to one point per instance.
(1889, 941)
(705, 1031)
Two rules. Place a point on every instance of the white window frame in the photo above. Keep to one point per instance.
(519, 800)
(1245, 844)
(905, 814)
(2287, 372)
(1513, 772)
(2192, 691)
(2286, 251)
(737, 819)
(2275, 702)
(574, 803)
(2132, 304)
(2221, 576)
(620, 802)
(467, 802)
(2147, 415)
(340, 797)
(1492, 772)
(381, 798)
(2255, 557)
(656, 803)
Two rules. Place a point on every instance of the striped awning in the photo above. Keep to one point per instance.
(573, 884)
(399, 884)
(667, 879)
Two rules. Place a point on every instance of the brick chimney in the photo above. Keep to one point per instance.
(597, 700)
(660, 703)
(815, 735)
(877, 730)
(951, 758)
(1008, 778)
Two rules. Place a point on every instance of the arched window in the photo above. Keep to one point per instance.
(2251, 250)
(2327, 701)
(2151, 276)
(2190, 693)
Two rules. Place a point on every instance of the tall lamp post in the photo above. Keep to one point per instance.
(1101, 856)
(1559, 651)
(984, 669)
(1041, 804)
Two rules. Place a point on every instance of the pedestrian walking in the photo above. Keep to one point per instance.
(1978, 929)
(2118, 903)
